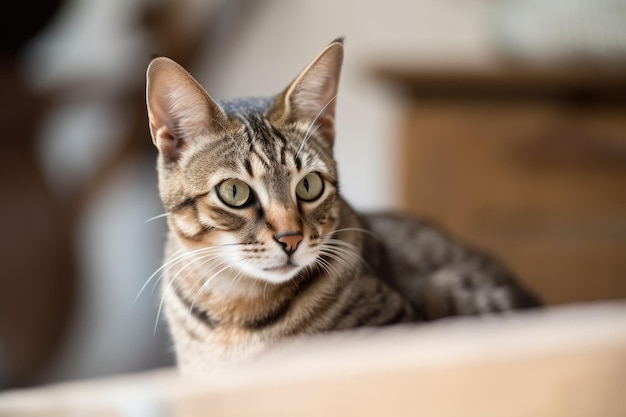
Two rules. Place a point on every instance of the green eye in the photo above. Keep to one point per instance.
(234, 192)
(310, 187)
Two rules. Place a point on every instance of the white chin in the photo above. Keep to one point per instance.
(275, 275)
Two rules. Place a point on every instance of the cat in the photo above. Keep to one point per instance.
(263, 249)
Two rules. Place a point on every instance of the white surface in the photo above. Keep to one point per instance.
(408, 349)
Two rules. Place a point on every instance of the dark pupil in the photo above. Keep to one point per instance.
(306, 184)
(234, 191)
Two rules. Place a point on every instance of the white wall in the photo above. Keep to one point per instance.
(286, 35)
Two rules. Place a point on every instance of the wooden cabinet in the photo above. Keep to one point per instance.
(530, 166)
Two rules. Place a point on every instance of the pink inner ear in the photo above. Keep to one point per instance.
(169, 145)
(156, 114)
(162, 128)
(179, 109)
(313, 94)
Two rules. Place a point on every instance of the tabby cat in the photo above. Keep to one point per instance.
(263, 249)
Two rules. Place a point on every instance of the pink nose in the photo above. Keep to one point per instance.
(289, 241)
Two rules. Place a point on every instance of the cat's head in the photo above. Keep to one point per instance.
(252, 179)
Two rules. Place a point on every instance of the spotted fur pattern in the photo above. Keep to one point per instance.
(232, 287)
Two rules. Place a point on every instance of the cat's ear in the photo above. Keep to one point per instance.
(179, 110)
(311, 97)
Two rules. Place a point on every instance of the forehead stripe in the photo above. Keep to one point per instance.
(252, 135)
(248, 167)
(284, 144)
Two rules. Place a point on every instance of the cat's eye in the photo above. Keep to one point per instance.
(310, 187)
(234, 192)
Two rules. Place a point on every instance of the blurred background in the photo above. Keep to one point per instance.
(503, 121)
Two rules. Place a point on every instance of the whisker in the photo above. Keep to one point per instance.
(307, 135)
(200, 290)
(346, 249)
(341, 245)
(325, 266)
(337, 258)
(195, 259)
(206, 283)
(174, 260)
(357, 229)
(333, 272)
(157, 217)
(345, 253)
(169, 285)
(237, 244)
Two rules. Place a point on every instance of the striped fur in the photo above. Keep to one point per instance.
(232, 287)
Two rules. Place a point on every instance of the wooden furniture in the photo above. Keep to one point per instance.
(559, 362)
(530, 165)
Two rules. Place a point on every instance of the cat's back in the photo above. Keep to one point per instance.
(412, 243)
(440, 275)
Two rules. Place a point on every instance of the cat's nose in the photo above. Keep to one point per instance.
(289, 241)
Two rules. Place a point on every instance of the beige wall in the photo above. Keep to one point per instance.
(283, 36)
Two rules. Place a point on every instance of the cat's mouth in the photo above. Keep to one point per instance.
(282, 269)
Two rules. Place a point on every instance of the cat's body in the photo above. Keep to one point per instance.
(263, 249)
